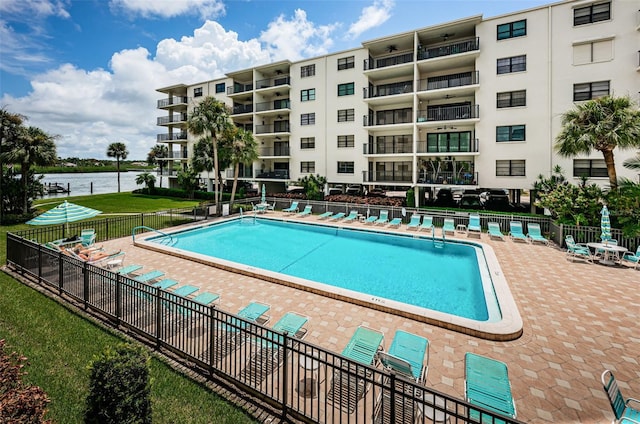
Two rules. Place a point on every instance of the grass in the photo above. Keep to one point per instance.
(114, 203)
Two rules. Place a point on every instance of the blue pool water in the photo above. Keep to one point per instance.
(405, 269)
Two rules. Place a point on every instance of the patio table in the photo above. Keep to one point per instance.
(611, 251)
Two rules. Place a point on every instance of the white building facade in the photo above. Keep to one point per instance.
(466, 104)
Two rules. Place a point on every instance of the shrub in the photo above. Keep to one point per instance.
(119, 388)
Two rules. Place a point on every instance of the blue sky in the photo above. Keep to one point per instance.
(87, 70)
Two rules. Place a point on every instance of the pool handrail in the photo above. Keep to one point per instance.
(144, 227)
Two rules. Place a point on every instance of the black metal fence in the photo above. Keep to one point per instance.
(300, 380)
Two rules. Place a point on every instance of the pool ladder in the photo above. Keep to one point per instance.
(438, 243)
(243, 216)
(166, 239)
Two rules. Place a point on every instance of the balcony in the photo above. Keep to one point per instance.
(173, 119)
(450, 81)
(388, 89)
(461, 177)
(460, 146)
(172, 101)
(449, 113)
(387, 61)
(247, 172)
(280, 174)
(392, 144)
(458, 47)
(238, 109)
(387, 177)
(282, 150)
(388, 117)
(177, 154)
(280, 127)
(181, 136)
(273, 82)
(239, 88)
(274, 105)
(168, 172)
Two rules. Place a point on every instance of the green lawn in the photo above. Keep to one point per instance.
(120, 202)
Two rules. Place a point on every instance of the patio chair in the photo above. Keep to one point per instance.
(515, 231)
(350, 379)
(427, 224)
(449, 226)
(207, 298)
(535, 234)
(88, 237)
(494, 230)
(474, 225)
(414, 222)
(628, 409)
(353, 215)
(271, 207)
(337, 216)
(165, 284)
(487, 385)
(259, 207)
(371, 220)
(149, 276)
(291, 209)
(325, 215)
(129, 269)
(631, 258)
(383, 219)
(395, 222)
(575, 250)
(305, 212)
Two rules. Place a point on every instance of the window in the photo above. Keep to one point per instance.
(511, 99)
(346, 63)
(589, 168)
(308, 143)
(307, 71)
(308, 167)
(593, 52)
(590, 90)
(308, 119)
(512, 29)
(346, 141)
(593, 13)
(510, 168)
(306, 95)
(220, 88)
(346, 115)
(197, 92)
(508, 65)
(346, 89)
(345, 167)
(510, 133)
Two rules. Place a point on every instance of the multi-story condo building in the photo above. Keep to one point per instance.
(470, 103)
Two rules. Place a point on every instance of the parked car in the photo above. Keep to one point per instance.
(249, 189)
(376, 192)
(470, 201)
(353, 190)
(444, 197)
(496, 200)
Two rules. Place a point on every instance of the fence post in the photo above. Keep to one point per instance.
(40, 264)
(158, 317)
(85, 274)
(60, 272)
(285, 375)
(142, 219)
(118, 298)
(392, 397)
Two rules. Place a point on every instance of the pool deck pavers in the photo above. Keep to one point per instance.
(579, 319)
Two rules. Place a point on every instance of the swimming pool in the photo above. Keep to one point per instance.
(407, 273)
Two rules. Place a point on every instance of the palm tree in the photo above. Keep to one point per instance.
(159, 151)
(632, 163)
(148, 179)
(209, 119)
(9, 125)
(118, 151)
(244, 149)
(203, 156)
(30, 146)
(601, 124)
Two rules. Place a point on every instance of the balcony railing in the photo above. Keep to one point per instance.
(177, 154)
(449, 49)
(273, 105)
(168, 172)
(171, 137)
(163, 120)
(276, 128)
(447, 177)
(279, 174)
(388, 89)
(464, 146)
(242, 109)
(172, 101)
(242, 173)
(274, 151)
(273, 82)
(387, 61)
(387, 176)
(450, 81)
(389, 145)
(388, 117)
(239, 88)
(449, 113)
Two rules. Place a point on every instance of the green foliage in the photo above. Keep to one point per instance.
(411, 198)
(188, 181)
(13, 194)
(624, 206)
(119, 387)
(148, 180)
(313, 186)
(19, 402)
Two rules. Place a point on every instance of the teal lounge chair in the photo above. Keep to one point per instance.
(395, 222)
(353, 215)
(255, 312)
(337, 216)
(579, 251)
(149, 276)
(474, 226)
(207, 298)
(515, 231)
(185, 291)
(449, 226)
(625, 410)
(384, 218)
(291, 209)
(427, 224)
(371, 219)
(535, 235)
(305, 212)
(414, 223)
(348, 385)
(129, 269)
(325, 215)
(88, 237)
(487, 385)
(165, 284)
(631, 258)
(494, 230)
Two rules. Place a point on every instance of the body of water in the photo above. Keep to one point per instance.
(82, 184)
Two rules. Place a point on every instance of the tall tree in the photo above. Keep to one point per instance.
(9, 125)
(244, 150)
(203, 157)
(118, 151)
(601, 124)
(31, 146)
(159, 151)
(209, 119)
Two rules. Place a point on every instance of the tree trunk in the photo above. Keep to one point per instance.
(161, 165)
(24, 171)
(611, 168)
(216, 193)
(236, 172)
(118, 166)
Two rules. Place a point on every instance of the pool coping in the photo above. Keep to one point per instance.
(510, 327)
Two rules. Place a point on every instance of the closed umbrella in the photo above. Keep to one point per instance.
(605, 224)
(64, 213)
(263, 199)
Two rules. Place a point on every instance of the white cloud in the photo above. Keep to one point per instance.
(372, 16)
(207, 9)
(34, 8)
